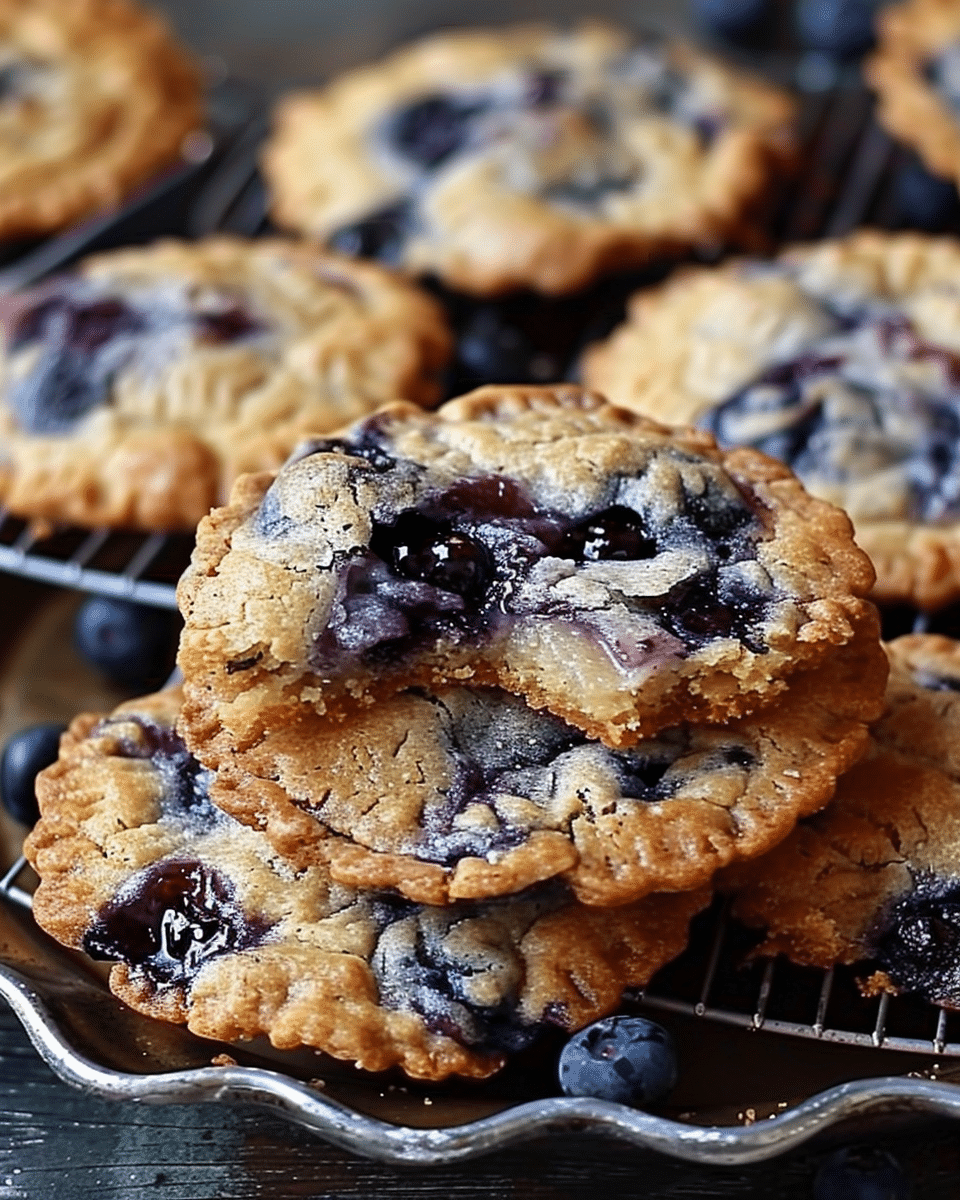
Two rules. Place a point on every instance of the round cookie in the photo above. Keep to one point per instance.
(916, 74)
(875, 874)
(529, 157)
(622, 575)
(95, 97)
(207, 925)
(134, 390)
(841, 359)
(468, 793)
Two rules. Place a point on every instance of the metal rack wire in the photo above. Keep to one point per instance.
(140, 567)
(716, 980)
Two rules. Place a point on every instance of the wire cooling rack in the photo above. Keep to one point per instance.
(849, 179)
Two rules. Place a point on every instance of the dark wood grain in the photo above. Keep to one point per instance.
(58, 1144)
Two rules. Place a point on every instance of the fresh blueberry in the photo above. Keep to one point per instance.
(380, 235)
(730, 18)
(861, 1173)
(132, 644)
(26, 753)
(841, 28)
(492, 350)
(925, 201)
(625, 1059)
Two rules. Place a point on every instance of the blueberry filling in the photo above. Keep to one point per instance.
(185, 781)
(918, 943)
(588, 193)
(431, 130)
(467, 560)
(859, 403)
(232, 323)
(544, 88)
(85, 338)
(430, 550)
(616, 534)
(426, 962)
(936, 683)
(171, 919)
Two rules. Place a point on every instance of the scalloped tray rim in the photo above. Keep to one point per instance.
(407, 1145)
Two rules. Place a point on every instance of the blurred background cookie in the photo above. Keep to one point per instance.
(529, 157)
(95, 97)
(134, 390)
(841, 359)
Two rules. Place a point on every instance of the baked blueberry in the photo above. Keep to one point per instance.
(132, 644)
(628, 1060)
(25, 754)
(430, 130)
(170, 919)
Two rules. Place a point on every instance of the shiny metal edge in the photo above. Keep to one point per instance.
(398, 1144)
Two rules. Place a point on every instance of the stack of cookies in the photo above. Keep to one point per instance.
(475, 704)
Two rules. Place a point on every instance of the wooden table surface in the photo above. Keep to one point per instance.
(58, 1144)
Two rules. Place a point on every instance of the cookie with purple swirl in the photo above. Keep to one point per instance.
(841, 359)
(134, 390)
(529, 157)
(207, 925)
(622, 575)
(469, 793)
(873, 878)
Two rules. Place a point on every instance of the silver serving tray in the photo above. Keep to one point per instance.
(95, 1043)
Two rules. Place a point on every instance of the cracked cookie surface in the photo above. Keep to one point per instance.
(95, 97)
(208, 925)
(136, 389)
(623, 576)
(467, 793)
(874, 875)
(840, 359)
(529, 156)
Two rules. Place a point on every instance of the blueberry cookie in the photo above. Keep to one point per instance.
(468, 793)
(916, 73)
(622, 575)
(134, 390)
(95, 97)
(207, 925)
(875, 875)
(529, 157)
(843, 361)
